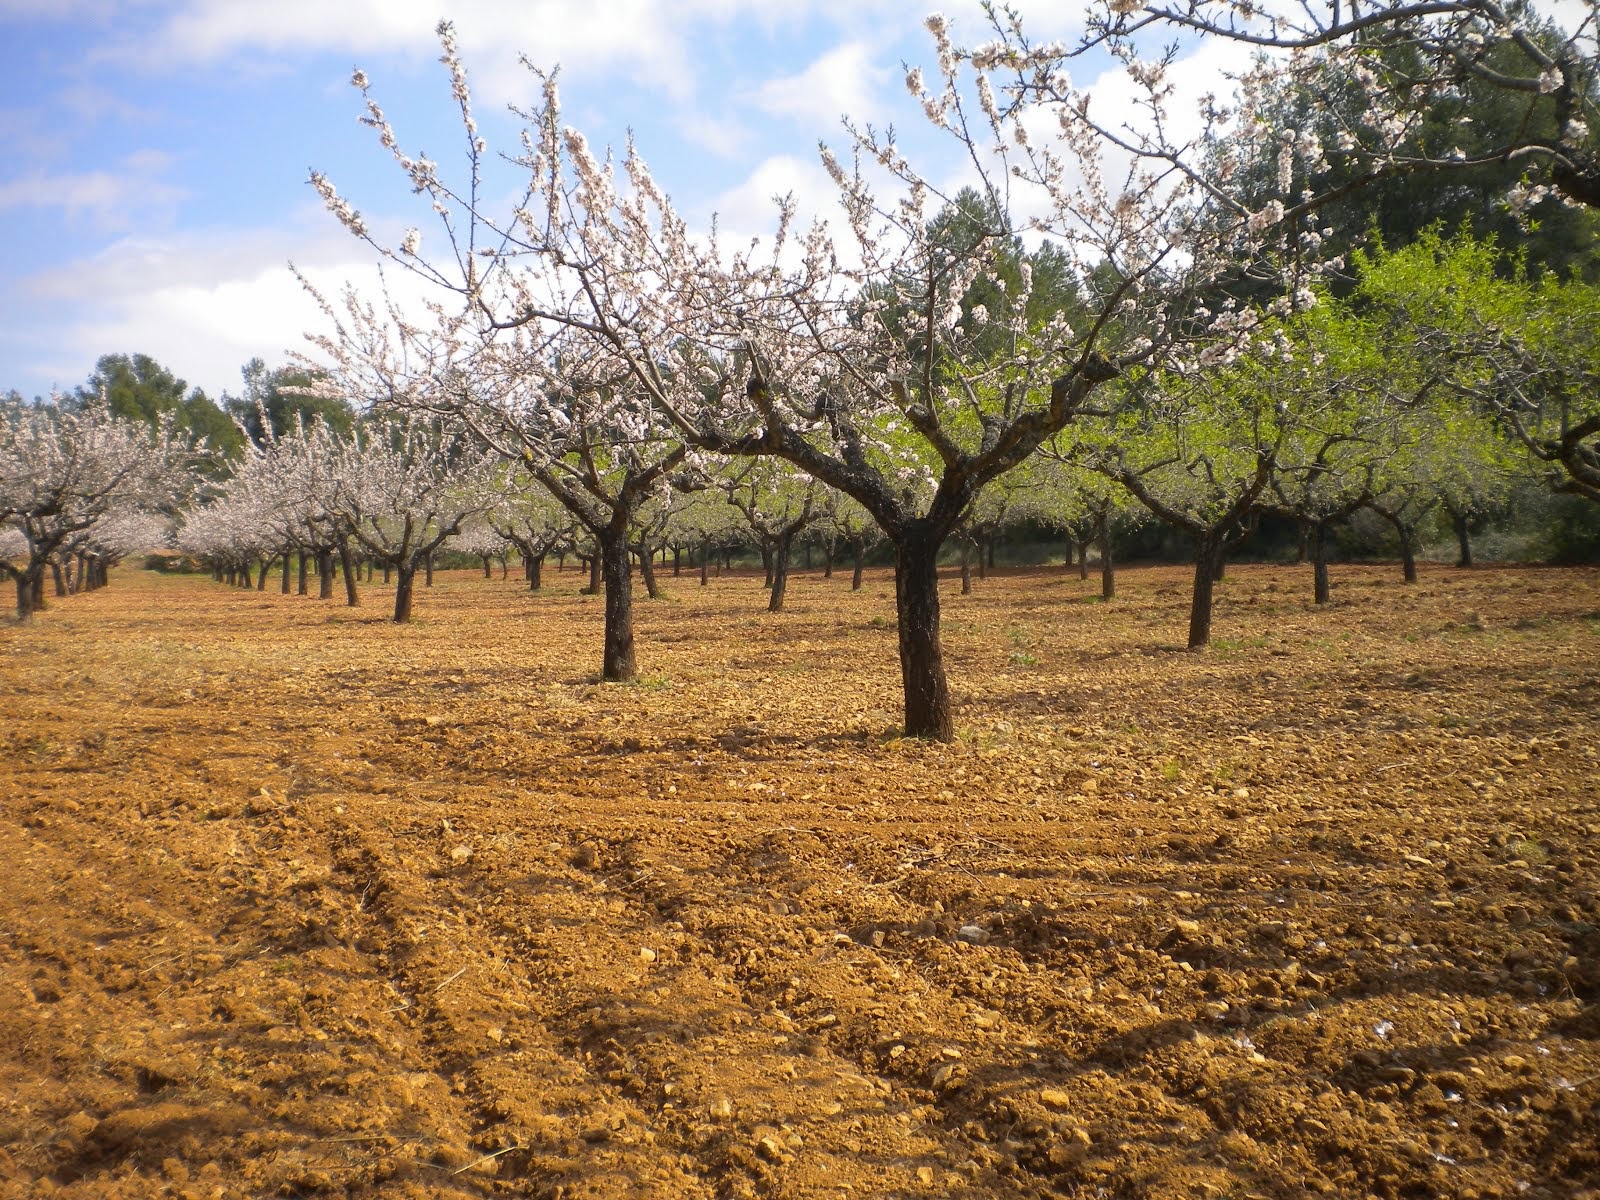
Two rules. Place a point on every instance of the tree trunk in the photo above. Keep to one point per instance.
(705, 562)
(386, 573)
(1066, 558)
(594, 575)
(1108, 571)
(535, 572)
(488, 572)
(405, 586)
(1205, 580)
(1458, 520)
(302, 577)
(611, 556)
(780, 572)
(25, 605)
(647, 568)
(1083, 559)
(324, 574)
(766, 562)
(427, 562)
(261, 577)
(287, 566)
(985, 561)
(989, 543)
(827, 557)
(916, 593)
(1319, 562)
(59, 577)
(677, 560)
(858, 547)
(351, 597)
(966, 567)
(1408, 551)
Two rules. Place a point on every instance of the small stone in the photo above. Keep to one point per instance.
(925, 1176)
(461, 853)
(646, 954)
(1054, 1098)
(976, 935)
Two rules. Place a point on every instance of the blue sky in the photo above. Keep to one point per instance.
(156, 151)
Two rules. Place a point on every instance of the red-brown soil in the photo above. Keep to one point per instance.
(295, 902)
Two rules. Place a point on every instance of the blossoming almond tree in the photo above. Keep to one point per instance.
(63, 470)
(405, 488)
(852, 350)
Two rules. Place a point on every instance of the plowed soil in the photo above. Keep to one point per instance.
(296, 902)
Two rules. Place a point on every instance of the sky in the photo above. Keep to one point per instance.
(156, 152)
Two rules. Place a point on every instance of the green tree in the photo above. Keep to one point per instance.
(138, 388)
(276, 396)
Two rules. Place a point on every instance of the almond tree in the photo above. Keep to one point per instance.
(405, 488)
(1403, 58)
(777, 504)
(64, 470)
(851, 350)
(530, 519)
(1523, 355)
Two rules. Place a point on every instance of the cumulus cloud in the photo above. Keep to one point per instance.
(202, 303)
(847, 80)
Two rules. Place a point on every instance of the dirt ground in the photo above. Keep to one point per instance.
(295, 902)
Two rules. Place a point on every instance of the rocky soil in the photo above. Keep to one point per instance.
(295, 902)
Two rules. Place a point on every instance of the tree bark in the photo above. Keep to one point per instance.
(488, 571)
(1108, 571)
(535, 568)
(324, 574)
(766, 562)
(1320, 588)
(427, 562)
(966, 567)
(916, 589)
(858, 547)
(1458, 520)
(405, 587)
(1205, 580)
(827, 557)
(59, 577)
(705, 563)
(1408, 552)
(647, 568)
(25, 606)
(1083, 559)
(611, 558)
(780, 572)
(351, 597)
(261, 577)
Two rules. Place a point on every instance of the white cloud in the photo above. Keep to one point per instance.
(750, 209)
(845, 81)
(114, 199)
(202, 304)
